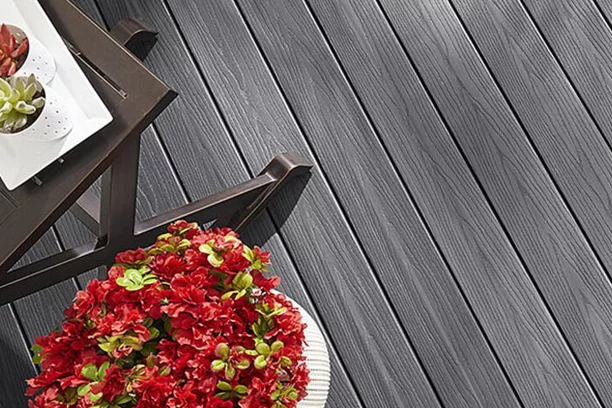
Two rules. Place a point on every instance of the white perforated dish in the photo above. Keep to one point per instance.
(52, 124)
(22, 156)
(39, 62)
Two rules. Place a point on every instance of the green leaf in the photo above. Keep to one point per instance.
(277, 346)
(229, 294)
(222, 351)
(217, 365)
(243, 280)
(230, 372)
(5, 88)
(102, 370)
(215, 260)
(83, 389)
(29, 92)
(285, 362)
(263, 348)
(38, 103)
(224, 395)
(207, 249)
(241, 389)
(224, 386)
(89, 371)
(243, 364)
(107, 346)
(123, 399)
(134, 275)
(260, 362)
(25, 108)
(154, 332)
(248, 253)
(149, 280)
(95, 397)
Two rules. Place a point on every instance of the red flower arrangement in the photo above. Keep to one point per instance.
(190, 322)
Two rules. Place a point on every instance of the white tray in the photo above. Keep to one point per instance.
(21, 158)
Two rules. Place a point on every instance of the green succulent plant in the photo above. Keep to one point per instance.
(20, 99)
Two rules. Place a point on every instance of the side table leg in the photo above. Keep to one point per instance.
(135, 35)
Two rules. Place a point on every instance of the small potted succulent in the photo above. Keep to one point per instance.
(14, 47)
(22, 100)
(191, 322)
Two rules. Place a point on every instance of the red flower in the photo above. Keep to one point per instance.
(131, 257)
(189, 323)
(153, 389)
(113, 384)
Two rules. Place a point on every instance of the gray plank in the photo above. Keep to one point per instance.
(581, 40)
(553, 116)
(442, 329)
(193, 121)
(37, 314)
(605, 7)
(259, 119)
(42, 311)
(453, 205)
(264, 233)
(356, 358)
(524, 196)
(15, 364)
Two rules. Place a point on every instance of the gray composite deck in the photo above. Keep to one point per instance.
(455, 238)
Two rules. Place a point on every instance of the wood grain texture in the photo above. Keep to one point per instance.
(553, 116)
(441, 56)
(452, 349)
(357, 238)
(605, 7)
(212, 163)
(42, 311)
(36, 314)
(15, 364)
(581, 40)
(261, 116)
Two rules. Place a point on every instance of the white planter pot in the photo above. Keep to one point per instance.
(317, 361)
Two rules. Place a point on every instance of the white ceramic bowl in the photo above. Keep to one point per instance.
(317, 361)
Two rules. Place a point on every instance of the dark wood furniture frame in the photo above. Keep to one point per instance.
(135, 97)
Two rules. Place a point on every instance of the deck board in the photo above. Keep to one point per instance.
(435, 173)
(553, 115)
(459, 212)
(186, 121)
(357, 164)
(15, 364)
(338, 276)
(581, 43)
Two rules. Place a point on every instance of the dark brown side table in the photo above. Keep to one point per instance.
(135, 97)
